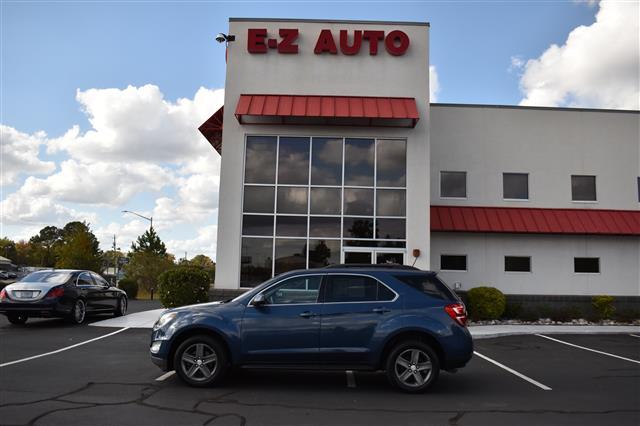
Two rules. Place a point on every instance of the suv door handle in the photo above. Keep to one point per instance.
(307, 314)
(381, 310)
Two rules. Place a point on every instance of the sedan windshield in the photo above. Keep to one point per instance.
(53, 277)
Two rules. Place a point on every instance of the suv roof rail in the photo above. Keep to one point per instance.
(372, 266)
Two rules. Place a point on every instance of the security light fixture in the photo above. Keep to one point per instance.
(224, 38)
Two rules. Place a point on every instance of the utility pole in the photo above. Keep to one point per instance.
(115, 261)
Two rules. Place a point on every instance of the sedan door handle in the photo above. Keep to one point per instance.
(307, 314)
(381, 310)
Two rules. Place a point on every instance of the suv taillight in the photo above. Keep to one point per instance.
(3, 294)
(55, 292)
(457, 312)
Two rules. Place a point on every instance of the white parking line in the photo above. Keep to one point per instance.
(18, 361)
(165, 376)
(351, 379)
(514, 372)
(589, 349)
(634, 335)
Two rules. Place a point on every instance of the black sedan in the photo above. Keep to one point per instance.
(64, 293)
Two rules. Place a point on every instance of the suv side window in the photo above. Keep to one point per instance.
(296, 290)
(84, 279)
(429, 285)
(355, 288)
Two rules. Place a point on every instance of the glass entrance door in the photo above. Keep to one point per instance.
(373, 256)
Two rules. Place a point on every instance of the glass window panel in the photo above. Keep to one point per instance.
(294, 291)
(384, 293)
(357, 257)
(290, 255)
(390, 202)
(517, 263)
(255, 261)
(390, 229)
(350, 288)
(260, 160)
(396, 258)
(292, 200)
(357, 227)
(453, 184)
(428, 284)
(323, 253)
(391, 157)
(293, 161)
(258, 199)
(453, 262)
(324, 226)
(515, 186)
(326, 200)
(291, 226)
(586, 265)
(326, 161)
(583, 188)
(358, 162)
(257, 225)
(358, 201)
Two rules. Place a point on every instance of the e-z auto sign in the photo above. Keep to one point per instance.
(346, 42)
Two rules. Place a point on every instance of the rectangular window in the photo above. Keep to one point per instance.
(515, 186)
(260, 159)
(517, 264)
(258, 199)
(583, 188)
(639, 189)
(358, 162)
(293, 161)
(453, 262)
(453, 184)
(323, 253)
(326, 161)
(290, 254)
(257, 225)
(391, 159)
(390, 202)
(586, 265)
(358, 201)
(292, 199)
(255, 261)
(326, 200)
(324, 226)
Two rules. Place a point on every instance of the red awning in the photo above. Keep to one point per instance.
(212, 129)
(535, 220)
(327, 110)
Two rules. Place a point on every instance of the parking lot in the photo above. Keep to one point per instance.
(110, 381)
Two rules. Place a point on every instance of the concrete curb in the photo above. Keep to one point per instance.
(490, 331)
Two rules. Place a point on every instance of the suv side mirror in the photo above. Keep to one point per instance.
(259, 300)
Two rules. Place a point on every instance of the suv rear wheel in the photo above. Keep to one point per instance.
(413, 366)
(200, 361)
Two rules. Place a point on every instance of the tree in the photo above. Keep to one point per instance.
(149, 242)
(8, 249)
(144, 268)
(44, 245)
(79, 248)
(24, 253)
(206, 264)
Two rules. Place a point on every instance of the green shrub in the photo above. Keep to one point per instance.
(183, 286)
(129, 286)
(486, 303)
(512, 310)
(627, 315)
(603, 306)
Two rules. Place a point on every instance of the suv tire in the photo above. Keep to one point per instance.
(413, 366)
(200, 361)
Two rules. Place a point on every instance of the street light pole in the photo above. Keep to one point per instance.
(150, 219)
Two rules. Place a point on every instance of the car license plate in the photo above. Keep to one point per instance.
(23, 294)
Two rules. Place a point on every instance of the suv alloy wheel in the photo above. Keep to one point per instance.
(413, 366)
(200, 361)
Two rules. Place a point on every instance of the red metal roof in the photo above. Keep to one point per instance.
(333, 110)
(212, 129)
(535, 220)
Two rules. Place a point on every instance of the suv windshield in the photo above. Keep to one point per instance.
(428, 284)
(47, 277)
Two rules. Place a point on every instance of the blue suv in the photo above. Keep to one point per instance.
(398, 319)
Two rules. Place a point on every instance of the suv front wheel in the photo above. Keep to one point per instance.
(200, 361)
(413, 366)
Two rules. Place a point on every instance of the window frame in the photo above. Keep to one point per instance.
(530, 271)
(595, 189)
(466, 262)
(309, 185)
(85, 285)
(466, 185)
(587, 273)
(528, 187)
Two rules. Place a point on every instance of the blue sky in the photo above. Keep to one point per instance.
(50, 50)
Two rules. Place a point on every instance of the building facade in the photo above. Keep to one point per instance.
(332, 153)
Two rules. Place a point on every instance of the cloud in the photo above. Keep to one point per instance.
(204, 243)
(517, 63)
(598, 65)
(434, 84)
(18, 209)
(19, 155)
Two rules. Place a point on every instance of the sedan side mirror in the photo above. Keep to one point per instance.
(259, 300)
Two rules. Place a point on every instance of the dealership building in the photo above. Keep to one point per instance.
(333, 153)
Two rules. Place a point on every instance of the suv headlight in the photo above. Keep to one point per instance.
(164, 320)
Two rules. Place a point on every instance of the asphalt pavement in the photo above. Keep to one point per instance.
(111, 381)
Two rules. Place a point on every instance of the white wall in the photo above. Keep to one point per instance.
(551, 262)
(310, 74)
(549, 144)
